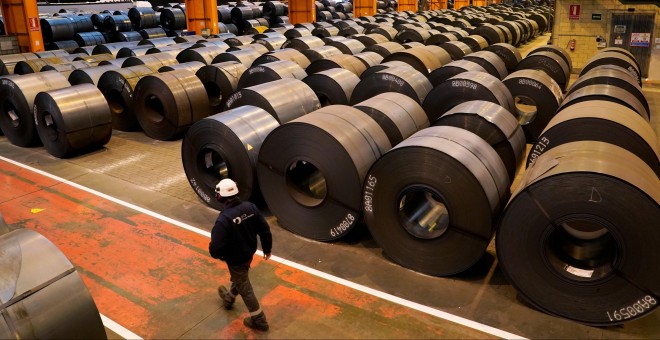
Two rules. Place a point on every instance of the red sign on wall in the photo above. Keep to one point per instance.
(33, 24)
(574, 12)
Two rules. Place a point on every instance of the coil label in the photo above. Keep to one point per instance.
(396, 80)
(369, 193)
(199, 190)
(257, 69)
(11, 84)
(234, 97)
(343, 225)
(641, 306)
(524, 81)
(464, 83)
(538, 149)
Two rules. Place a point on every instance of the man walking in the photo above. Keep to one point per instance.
(234, 240)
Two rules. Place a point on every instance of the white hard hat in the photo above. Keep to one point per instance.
(226, 188)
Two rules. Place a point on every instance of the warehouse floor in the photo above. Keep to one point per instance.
(148, 269)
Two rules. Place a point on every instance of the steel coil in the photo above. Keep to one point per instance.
(127, 37)
(304, 43)
(550, 63)
(464, 87)
(205, 55)
(585, 252)
(283, 54)
(607, 93)
(456, 49)
(386, 31)
(347, 46)
(454, 68)
(423, 59)
(325, 31)
(398, 115)
(558, 51)
(89, 38)
(386, 48)
(220, 80)
(172, 49)
(226, 145)
(142, 17)
(321, 52)
(285, 99)
(152, 33)
(18, 93)
(273, 43)
(66, 68)
(117, 87)
(333, 86)
(614, 58)
(369, 58)
(68, 45)
(603, 121)
(297, 32)
(89, 75)
(490, 61)
(153, 61)
(73, 120)
(224, 14)
(268, 72)
(311, 170)
(132, 51)
(97, 20)
(416, 214)
(117, 23)
(188, 39)
(82, 23)
(345, 61)
(112, 49)
(412, 34)
(56, 29)
(508, 53)
(369, 39)
(624, 52)
(495, 125)
(441, 38)
(167, 104)
(37, 277)
(173, 19)
(401, 79)
(245, 57)
(190, 66)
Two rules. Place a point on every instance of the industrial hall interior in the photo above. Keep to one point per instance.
(329, 169)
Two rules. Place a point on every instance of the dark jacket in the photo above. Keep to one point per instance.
(234, 235)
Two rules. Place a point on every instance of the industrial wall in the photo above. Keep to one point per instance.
(587, 26)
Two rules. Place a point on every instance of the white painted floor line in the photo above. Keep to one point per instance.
(119, 329)
(407, 303)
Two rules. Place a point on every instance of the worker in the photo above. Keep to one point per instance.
(234, 241)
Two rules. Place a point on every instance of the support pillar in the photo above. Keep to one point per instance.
(458, 4)
(301, 11)
(407, 5)
(437, 4)
(202, 16)
(363, 8)
(22, 20)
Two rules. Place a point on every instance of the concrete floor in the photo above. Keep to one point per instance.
(148, 173)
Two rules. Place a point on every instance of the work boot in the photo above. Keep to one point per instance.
(227, 300)
(257, 322)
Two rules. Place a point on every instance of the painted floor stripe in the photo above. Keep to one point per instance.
(119, 329)
(407, 303)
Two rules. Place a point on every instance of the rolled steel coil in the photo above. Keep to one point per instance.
(506, 32)
(89, 75)
(312, 169)
(213, 42)
(268, 72)
(152, 33)
(283, 54)
(325, 31)
(465, 87)
(441, 38)
(66, 68)
(153, 61)
(369, 59)
(224, 14)
(386, 31)
(191, 66)
(347, 46)
(226, 145)
(404, 80)
(603, 121)
(568, 260)
(614, 58)
(304, 43)
(550, 63)
(167, 104)
(257, 47)
(113, 48)
(418, 217)
(514, 29)
(174, 49)
(239, 40)
(97, 20)
(117, 87)
(297, 32)
(491, 33)
(347, 62)
(383, 66)
(32, 286)
(400, 116)
(132, 51)
(8, 62)
(82, 23)
(67, 45)
(245, 57)
(558, 51)
(116, 62)
(494, 124)
(188, 39)
(273, 9)
(158, 42)
(422, 59)
(490, 61)
(352, 31)
(370, 39)
(204, 55)
(73, 120)
(386, 48)
(624, 52)
(35, 65)
(333, 86)
(56, 29)
(89, 38)
(475, 42)
(131, 36)
(508, 53)
(321, 52)
(285, 99)
(84, 50)
(412, 34)
(537, 98)
(143, 17)
(117, 23)
(18, 93)
(273, 43)
(608, 93)
(173, 19)
(612, 76)
(220, 80)
(456, 49)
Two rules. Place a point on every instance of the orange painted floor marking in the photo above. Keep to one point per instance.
(158, 280)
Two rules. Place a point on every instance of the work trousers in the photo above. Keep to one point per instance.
(240, 285)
